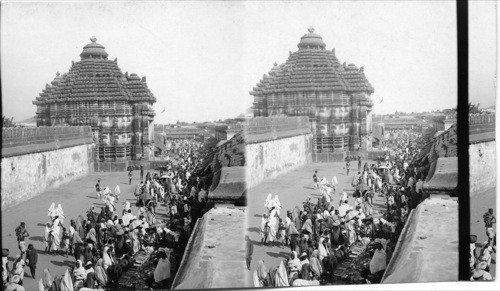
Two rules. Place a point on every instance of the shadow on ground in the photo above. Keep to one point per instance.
(66, 263)
(253, 229)
(283, 255)
(36, 238)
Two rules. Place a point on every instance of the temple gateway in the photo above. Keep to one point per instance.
(95, 92)
(335, 96)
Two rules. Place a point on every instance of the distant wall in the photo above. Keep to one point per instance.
(276, 145)
(35, 159)
(482, 153)
(482, 170)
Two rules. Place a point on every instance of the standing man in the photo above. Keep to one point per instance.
(348, 167)
(130, 177)
(489, 219)
(315, 179)
(21, 233)
(142, 172)
(249, 251)
(359, 163)
(31, 259)
(98, 188)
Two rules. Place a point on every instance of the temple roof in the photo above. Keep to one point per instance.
(94, 50)
(312, 68)
(95, 78)
(311, 40)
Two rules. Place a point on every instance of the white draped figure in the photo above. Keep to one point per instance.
(277, 204)
(269, 202)
(52, 211)
(272, 223)
(117, 191)
(335, 182)
(57, 234)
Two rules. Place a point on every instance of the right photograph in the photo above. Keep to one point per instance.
(482, 144)
(352, 148)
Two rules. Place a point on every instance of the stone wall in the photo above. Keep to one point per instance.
(26, 176)
(482, 170)
(28, 140)
(35, 159)
(275, 146)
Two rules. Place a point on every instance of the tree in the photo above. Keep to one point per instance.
(474, 108)
(7, 122)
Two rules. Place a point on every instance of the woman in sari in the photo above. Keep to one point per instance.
(262, 273)
(79, 274)
(294, 264)
(281, 276)
(100, 274)
(52, 212)
(56, 235)
(271, 277)
(162, 270)
(46, 279)
(66, 282)
(91, 236)
(273, 226)
(315, 264)
(56, 284)
(307, 227)
(323, 251)
(107, 261)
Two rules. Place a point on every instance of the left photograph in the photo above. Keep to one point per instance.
(112, 180)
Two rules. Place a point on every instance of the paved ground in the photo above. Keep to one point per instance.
(479, 205)
(293, 188)
(76, 198)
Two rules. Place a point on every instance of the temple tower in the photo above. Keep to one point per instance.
(95, 92)
(312, 82)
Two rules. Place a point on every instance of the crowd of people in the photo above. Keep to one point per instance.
(323, 235)
(105, 243)
(481, 258)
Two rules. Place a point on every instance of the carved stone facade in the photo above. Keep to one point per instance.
(95, 92)
(312, 82)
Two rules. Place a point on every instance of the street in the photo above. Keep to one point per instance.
(76, 198)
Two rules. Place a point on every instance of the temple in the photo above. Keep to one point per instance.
(95, 92)
(312, 82)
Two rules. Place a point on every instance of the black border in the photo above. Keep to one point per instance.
(463, 139)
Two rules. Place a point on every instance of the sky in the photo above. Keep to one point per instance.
(482, 52)
(202, 59)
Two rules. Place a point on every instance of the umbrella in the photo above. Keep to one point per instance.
(164, 177)
(351, 214)
(135, 224)
(383, 167)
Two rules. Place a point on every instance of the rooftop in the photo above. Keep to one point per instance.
(94, 78)
(215, 254)
(427, 250)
